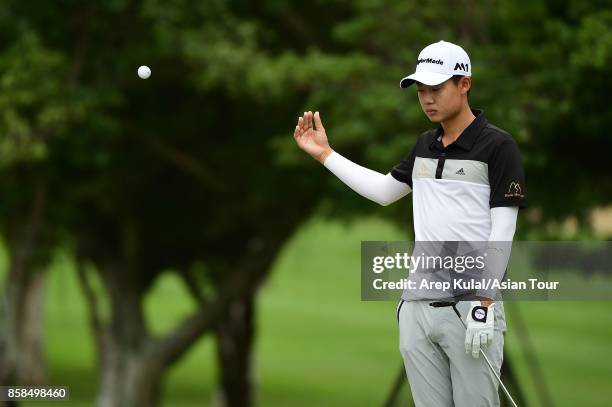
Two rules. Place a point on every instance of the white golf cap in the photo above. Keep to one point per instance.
(437, 63)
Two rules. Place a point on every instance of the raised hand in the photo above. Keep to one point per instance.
(310, 139)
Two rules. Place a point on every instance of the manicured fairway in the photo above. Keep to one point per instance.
(318, 344)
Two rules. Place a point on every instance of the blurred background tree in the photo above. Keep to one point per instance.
(38, 106)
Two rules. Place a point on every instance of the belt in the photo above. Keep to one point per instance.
(438, 304)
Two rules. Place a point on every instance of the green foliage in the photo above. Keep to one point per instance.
(213, 124)
(30, 98)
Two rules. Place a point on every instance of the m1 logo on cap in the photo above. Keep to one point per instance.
(462, 66)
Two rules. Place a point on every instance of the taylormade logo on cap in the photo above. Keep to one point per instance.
(437, 63)
(430, 61)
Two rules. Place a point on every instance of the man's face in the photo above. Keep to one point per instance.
(444, 101)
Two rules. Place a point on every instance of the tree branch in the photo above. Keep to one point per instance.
(21, 251)
(95, 319)
(192, 286)
(187, 163)
(243, 283)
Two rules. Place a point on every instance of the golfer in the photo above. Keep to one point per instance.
(467, 183)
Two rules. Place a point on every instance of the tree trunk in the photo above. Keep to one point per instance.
(22, 359)
(128, 378)
(234, 335)
(32, 367)
(21, 347)
(130, 375)
(7, 363)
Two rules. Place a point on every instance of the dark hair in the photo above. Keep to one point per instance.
(456, 79)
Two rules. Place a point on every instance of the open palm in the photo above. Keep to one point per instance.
(310, 139)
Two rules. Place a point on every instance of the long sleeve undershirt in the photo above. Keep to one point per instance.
(384, 190)
(377, 187)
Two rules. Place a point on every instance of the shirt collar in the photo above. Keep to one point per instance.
(467, 138)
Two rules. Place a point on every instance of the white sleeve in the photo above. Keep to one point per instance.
(380, 188)
(503, 226)
(503, 223)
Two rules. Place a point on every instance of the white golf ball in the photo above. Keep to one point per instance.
(144, 71)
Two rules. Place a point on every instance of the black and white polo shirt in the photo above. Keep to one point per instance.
(454, 187)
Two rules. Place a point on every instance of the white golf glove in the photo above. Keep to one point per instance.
(479, 328)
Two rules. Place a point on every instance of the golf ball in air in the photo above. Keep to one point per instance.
(144, 71)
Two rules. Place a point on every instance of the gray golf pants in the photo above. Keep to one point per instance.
(441, 374)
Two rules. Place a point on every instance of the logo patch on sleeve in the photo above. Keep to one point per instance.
(514, 190)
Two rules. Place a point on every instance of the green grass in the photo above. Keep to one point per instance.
(317, 343)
